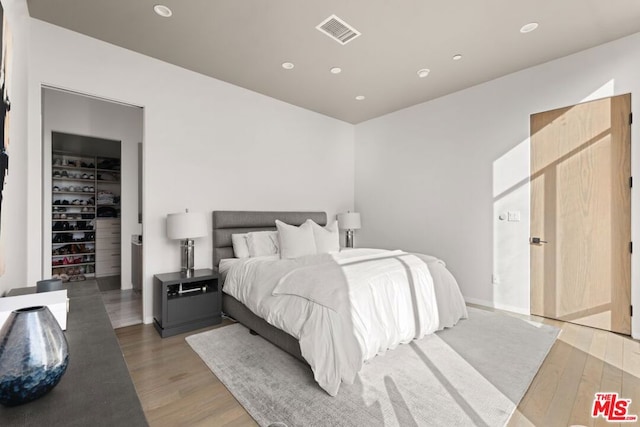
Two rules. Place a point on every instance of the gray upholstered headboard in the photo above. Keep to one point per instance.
(226, 223)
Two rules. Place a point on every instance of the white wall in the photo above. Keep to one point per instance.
(14, 221)
(207, 144)
(434, 177)
(431, 178)
(82, 115)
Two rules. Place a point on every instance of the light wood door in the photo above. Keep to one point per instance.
(581, 208)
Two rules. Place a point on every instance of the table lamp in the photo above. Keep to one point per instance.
(186, 226)
(349, 221)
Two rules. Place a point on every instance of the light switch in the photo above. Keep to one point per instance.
(513, 216)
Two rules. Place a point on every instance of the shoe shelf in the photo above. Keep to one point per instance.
(73, 259)
(58, 178)
(72, 273)
(63, 224)
(69, 168)
(89, 256)
(73, 264)
(72, 219)
(68, 243)
(82, 193)
(61, 235)
(84, 249)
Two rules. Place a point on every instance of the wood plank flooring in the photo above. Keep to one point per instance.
(177, 389)
(124, 307)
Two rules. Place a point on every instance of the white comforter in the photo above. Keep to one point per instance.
(345, 308)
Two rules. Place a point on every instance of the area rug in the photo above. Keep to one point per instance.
(472, 374)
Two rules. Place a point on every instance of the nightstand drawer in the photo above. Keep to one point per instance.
(188, 308)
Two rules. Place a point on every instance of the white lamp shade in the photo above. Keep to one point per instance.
(186, 225)
(349, 221)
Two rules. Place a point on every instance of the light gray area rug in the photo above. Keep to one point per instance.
(473, 374)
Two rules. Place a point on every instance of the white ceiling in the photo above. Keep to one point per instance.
(244, 42)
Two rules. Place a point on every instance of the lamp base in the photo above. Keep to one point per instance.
(349, 239)
(187, 247)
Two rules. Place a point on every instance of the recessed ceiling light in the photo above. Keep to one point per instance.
(336, 70)
(288, 65)
(423, 72)
(527, 28)
(457, 57)
(359, 97)
(162, 10)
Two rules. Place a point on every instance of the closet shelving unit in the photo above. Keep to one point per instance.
(75, 186)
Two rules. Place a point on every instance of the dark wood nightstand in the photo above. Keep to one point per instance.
(182, 303)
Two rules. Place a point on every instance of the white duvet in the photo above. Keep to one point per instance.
(347, 307)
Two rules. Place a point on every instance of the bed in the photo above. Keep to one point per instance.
(226, 223)
(325, 324)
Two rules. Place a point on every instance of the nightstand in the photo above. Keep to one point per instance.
(182, 303)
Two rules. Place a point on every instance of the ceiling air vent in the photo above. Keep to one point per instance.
(338, 30)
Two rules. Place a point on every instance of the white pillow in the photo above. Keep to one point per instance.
(262, 243)
(295, 241)
(240, 247)
(327, 238)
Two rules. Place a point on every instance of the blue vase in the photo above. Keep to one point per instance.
(33, 355)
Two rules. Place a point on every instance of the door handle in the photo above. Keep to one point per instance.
(537, 241)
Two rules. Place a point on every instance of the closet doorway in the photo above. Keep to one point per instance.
(92, 197)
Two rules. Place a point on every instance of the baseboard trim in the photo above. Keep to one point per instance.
(491, 304)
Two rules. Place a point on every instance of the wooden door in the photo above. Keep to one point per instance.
(581, 212)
